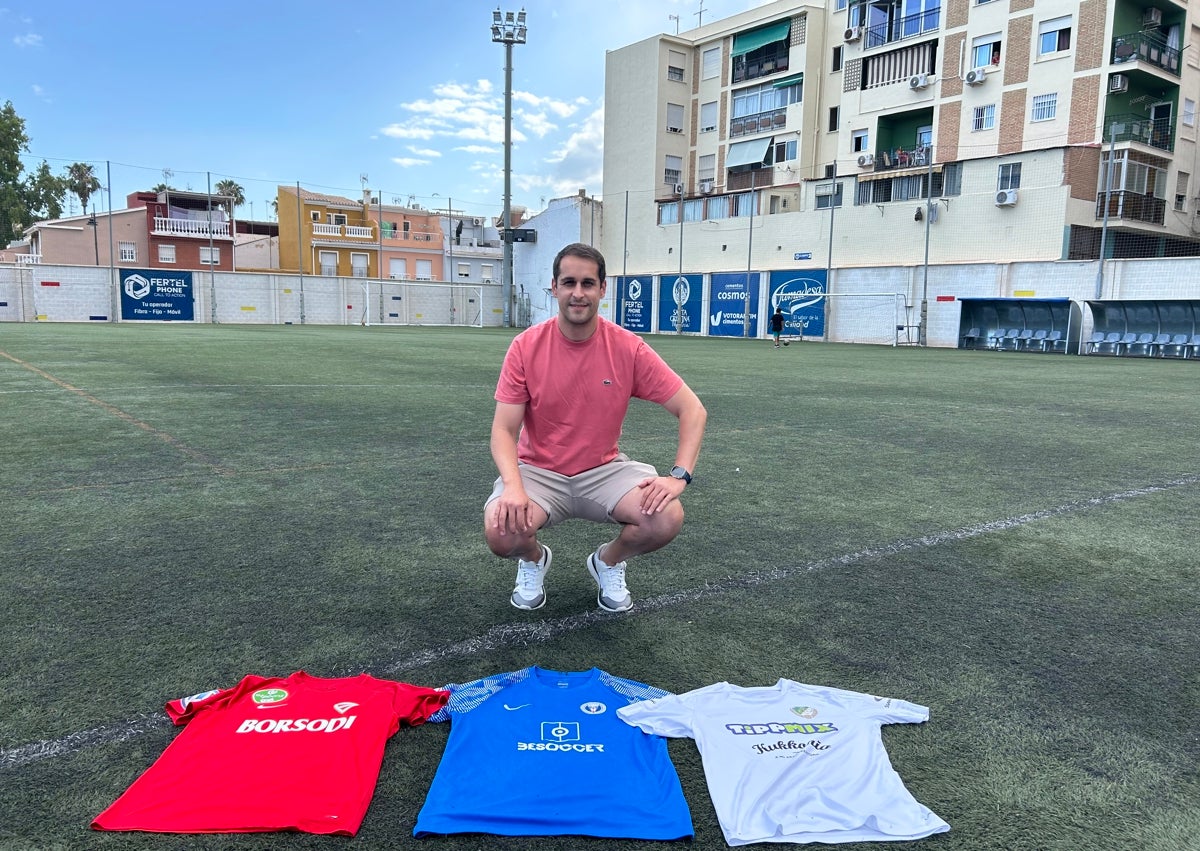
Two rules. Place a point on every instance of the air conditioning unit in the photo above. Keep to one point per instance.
(1006, 198)
(975, 76)
(477, 221)
(674, 129)
(487, 281)
(852, 34)
(918, 81)
(678, 188)
(1151, 17)
(865, 160)
(706, 186)
(1118, 83)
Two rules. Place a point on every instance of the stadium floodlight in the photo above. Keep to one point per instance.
(508, 29)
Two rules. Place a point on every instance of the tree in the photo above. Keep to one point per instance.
(13, 142)
(82, 182)
(45, 193)
(235, 192)
(162, 187)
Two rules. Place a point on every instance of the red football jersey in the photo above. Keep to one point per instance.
(272, 753)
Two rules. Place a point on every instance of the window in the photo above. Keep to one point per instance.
(743, 204)
(487, 271)
(707, 167)
(718, 207)
(673, 170)
(781, 152)
(329, 263)
(860, 140)
(1045, 107)
(710, 63)
(210, 256)
(985, 117)
(668, 214)
(756, 100)
(398, 268)
(841, 4)
(424, 270)
(166, 254)
(315, 215)
(951, 179)
(985, 50)
(834, 117)
(693, 210)
(1181, 185)
(674, 118)
(708, 116)
(829, 196)
(1054, 36)
(337, 219)
(1189, 113)
(359, 264)
(675, 61)
(837, 59)
(128, 251)
(1010, 176)
(464, 270)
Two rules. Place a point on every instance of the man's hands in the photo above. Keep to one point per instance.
(513, 511)
(658, 492)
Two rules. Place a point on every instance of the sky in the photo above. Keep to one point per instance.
(403, 98)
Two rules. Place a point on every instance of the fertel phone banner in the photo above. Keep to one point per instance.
(727, 304)
(633, 302)
(679, 302)
(801, 297)
(157, 295)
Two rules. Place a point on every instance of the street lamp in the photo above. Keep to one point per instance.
(95, 226)
(508, 29)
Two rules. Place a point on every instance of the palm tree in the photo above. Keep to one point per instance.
(233, 191)
(82, 182)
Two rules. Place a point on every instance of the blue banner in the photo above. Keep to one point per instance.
(727, 304)
(633, 302)
(157, 294)
(679, 301)
(801, 296)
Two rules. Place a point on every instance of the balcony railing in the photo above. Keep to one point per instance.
(1132, 206)
(901, 158)
(762, 122)
(1155, 132)
(349, 231)
(1144, 47)
(412, 235)
(27, 259)
(902, 28)
(760, 63)
(169, 226)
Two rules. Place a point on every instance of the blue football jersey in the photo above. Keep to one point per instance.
(542, 753)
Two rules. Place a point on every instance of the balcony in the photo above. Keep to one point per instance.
(762, 122)
(761, 63)
(1132, 206)
(348, 231)
(1157, 133)
(894, 158)
(898, 29)
(1148, 48)
(27, 259)
(411, 235)
(172, 226)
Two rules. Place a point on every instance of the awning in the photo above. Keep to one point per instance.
(750, 152)
(788, 81)
(753, 40)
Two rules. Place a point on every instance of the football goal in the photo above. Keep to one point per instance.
(421, 303)
(881, 318)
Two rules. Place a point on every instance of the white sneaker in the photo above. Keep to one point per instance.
(613, 596)
(530, 592)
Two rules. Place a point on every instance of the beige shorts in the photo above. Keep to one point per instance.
(590, 495)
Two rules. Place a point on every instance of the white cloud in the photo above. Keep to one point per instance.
(477, 149)
(407, 162)
(28, 40)
(424, 152)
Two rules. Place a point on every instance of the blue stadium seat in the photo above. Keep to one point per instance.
(1124, 343)
(1176, 347)
(1053, 340)
(1193, 347)
(1156, 345)
(970, 340)
(1141, 345)
(1038, 340)
(1022, 340)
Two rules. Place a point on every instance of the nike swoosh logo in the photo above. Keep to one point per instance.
(522, 706)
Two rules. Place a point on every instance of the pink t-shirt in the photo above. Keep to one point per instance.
(576, 394)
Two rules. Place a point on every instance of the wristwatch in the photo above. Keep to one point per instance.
(678, 472)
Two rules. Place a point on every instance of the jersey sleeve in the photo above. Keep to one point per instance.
(463, 697)
(184, 709)
(416, 704)
(665, 716)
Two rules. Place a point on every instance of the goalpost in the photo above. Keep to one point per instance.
(421, 303)
(880, 318)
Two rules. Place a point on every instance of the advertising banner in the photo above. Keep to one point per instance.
(727, 304)
(633, 302)
(801, 296)
(679, 301)
(157, 294)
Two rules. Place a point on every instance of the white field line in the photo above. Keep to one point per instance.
(539, 632)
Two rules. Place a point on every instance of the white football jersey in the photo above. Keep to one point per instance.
(794, 762)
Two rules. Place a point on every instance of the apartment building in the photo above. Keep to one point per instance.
(812, 135)
(326, 235)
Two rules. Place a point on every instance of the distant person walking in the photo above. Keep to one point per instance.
(564, 388)
(777, 324)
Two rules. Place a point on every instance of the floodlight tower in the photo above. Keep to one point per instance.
(508, 29)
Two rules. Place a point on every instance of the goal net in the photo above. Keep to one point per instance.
(881, 318)
(419, 303)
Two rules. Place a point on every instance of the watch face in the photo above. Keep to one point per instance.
(680, 473)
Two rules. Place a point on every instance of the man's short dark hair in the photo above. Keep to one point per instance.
(584, 252)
